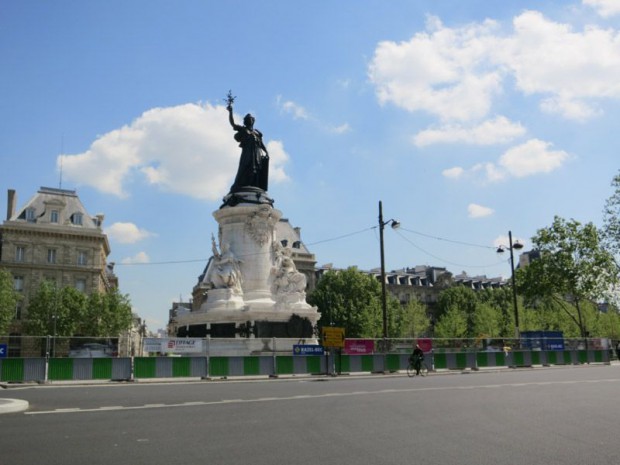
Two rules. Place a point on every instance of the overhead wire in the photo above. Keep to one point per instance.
(344, 236)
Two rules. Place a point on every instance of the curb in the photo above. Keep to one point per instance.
(13, 405)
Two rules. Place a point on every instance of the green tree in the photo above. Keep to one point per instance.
(486, 320)
(8, 300)
(462, 298)
(611, 219)
(352, 300)
(106, 314)
(501, 300)
(452, 324)
(54, 311)
(411, 320)
(572, 270)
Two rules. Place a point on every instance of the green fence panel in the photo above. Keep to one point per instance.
(102, 368)
(367, 363)
(343, 364)
(598, 356)
(60, 369)
(568, 357)
(552, 358)
(144, 367)
(284, 365)
(181, 367)
(518, 358)
(12, 369)
(461, 361)
(251, 366)
(582, 356)
(441, 361)
(218, 366)
(392, 362)
(482, 359)
(500, 359)
(313, 364)
(535, 357)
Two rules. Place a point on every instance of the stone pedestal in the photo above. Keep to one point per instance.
(251, 280)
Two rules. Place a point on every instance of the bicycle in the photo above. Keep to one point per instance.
(412, 369)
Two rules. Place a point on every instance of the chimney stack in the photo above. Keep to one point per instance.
(12, 200)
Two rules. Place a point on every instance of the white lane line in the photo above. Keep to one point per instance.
(314, 396)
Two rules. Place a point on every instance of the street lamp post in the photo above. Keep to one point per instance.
(517, 245)
(395, 224)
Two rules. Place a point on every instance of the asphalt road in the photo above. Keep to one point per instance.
(566, 415)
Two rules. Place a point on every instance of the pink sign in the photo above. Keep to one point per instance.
(426, 344)
(359, 346)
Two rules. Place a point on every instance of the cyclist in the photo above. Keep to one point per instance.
(416, 358)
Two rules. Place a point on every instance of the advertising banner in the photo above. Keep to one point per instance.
(359, 346)
(173, 345)
(307, 349)
(183, 346)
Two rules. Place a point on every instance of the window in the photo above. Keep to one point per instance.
(81, 258)
(80, 285)
(51, 255)
(30, 214)
(76, 218)
(18, 283)
(20, 253)
(18, 311)
(54, 214)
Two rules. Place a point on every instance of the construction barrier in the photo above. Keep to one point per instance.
(21, 370)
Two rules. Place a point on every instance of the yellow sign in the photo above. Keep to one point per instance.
(333, 337)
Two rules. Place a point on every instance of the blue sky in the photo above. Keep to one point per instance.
(467, 119)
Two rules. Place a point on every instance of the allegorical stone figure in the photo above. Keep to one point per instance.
(225, 271)
(253, 168)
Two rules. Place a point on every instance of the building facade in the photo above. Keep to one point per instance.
(52, 237)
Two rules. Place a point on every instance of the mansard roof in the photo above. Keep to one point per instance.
(71, 211)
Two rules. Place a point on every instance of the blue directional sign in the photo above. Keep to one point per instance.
(307, 349)
(4, 351)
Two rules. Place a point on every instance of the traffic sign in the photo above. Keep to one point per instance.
(333, 337)
(4, 351)
(307, 349)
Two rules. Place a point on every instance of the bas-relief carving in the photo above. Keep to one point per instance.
(260, 226)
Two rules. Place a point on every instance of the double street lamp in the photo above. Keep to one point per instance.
(395, 224)
(501, 249)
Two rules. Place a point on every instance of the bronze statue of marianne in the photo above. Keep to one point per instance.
(253, 168)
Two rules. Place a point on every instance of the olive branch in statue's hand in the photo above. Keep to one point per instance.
(230, 99)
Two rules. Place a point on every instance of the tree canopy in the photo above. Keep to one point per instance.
(573, 269)
(8, 300)
(352, 300)
(68, 312)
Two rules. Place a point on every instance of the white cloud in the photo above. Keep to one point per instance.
(532, 157)
(277, 159)
(456, 73)
(572, 68)
(495, 131)
(478, 211)
(288, 106)
(605, 8)
(176, 149)
(140, 257)
(127, 233)
(343, 128)
(453, 173)
(528, 159)
(442, 71)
